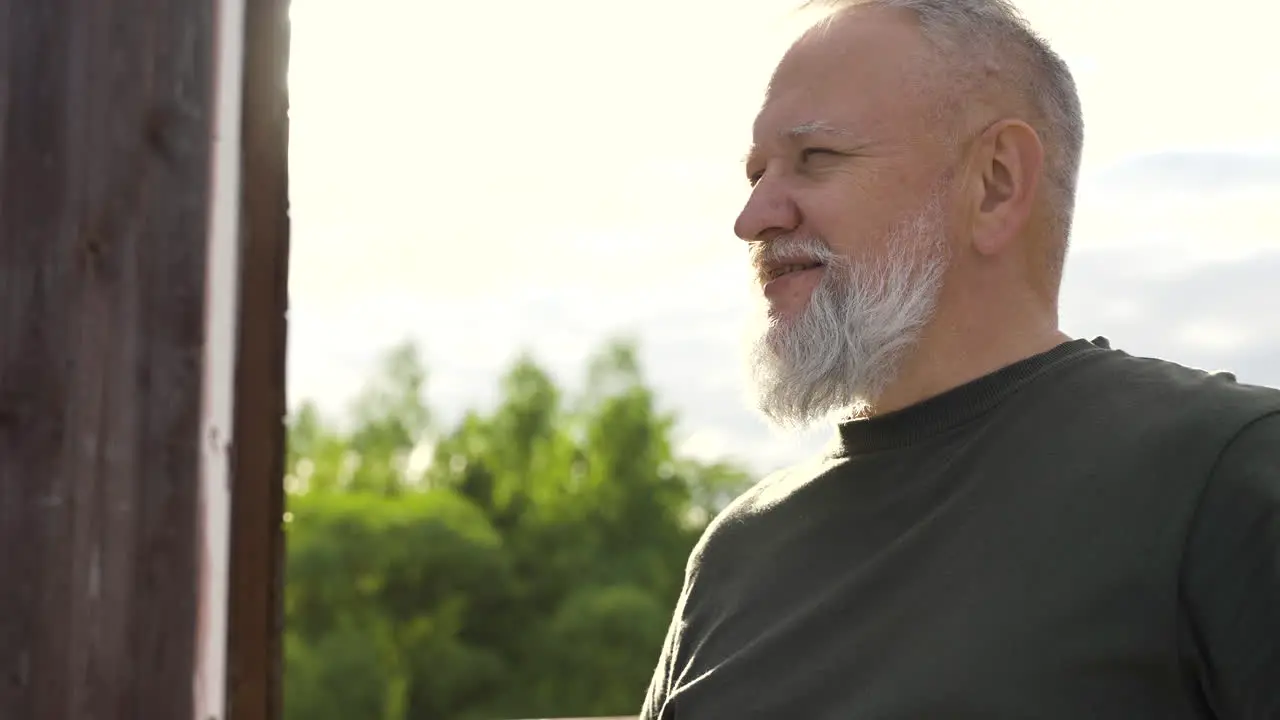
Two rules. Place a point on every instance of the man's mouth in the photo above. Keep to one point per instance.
(777, 271)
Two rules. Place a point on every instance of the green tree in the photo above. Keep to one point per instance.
(530, 571)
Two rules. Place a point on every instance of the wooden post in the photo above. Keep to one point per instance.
(132, 322)
(257, 541)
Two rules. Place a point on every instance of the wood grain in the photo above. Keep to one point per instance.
(105, 112)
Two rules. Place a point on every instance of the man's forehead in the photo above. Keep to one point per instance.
(866, 52)
(854, 77)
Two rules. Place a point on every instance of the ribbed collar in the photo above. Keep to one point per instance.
(958, 405)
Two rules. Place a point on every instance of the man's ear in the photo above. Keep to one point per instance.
(1005, 170)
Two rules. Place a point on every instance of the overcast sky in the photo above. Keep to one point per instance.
(487, 177)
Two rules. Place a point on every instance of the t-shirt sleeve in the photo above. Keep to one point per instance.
(655, 698)
(660, 685)
(1231, 577)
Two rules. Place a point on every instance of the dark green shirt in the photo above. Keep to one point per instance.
(1083, 534)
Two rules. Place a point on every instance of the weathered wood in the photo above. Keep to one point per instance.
(257, 559)
(104, 178)
(106, 112)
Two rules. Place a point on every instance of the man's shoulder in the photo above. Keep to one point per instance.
(776, 487)
(1183, 395)
(1142, 412)
(733, 528)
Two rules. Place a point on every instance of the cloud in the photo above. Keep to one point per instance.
(1182, 209)
(1197, 172)
(1219, 315)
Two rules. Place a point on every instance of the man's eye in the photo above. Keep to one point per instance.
(808, 153)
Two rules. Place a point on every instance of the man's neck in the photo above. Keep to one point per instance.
(946, 359)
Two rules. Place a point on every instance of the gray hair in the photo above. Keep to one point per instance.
(975, 37)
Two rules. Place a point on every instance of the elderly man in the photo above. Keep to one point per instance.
(1014, 523)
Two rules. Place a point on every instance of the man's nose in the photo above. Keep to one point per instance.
(770, 211)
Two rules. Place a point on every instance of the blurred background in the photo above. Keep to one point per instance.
(515, 380)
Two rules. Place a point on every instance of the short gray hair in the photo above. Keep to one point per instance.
(975, 35)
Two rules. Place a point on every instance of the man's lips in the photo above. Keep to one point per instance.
(774, 271)
(791, 280)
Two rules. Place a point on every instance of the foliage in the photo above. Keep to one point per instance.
(528, 571)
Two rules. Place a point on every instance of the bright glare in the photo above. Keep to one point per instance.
(487, 176)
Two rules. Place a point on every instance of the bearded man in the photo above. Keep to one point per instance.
(1014, 523)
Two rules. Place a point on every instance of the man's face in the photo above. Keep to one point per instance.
(847, 217)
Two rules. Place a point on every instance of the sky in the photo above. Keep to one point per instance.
(487, 178)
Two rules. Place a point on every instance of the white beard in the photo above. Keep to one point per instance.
(840, 353)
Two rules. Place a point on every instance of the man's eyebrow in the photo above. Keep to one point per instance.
(801, 131)
(813, 128)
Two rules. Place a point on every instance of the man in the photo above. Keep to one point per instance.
(1014, 524)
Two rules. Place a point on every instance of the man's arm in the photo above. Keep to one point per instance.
(1231, 577)
(655, 699)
